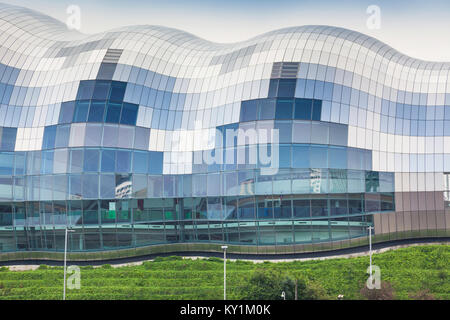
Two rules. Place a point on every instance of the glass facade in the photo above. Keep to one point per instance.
(151, 136)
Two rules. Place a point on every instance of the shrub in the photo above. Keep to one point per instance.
(386, 292)
(310, 290)
(267, 284)
(422, 295)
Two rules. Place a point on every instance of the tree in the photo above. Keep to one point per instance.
(268, 284)
(386, 292)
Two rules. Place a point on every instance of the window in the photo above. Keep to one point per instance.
(141, 138)
(76, 161)
(110, 136)
(286, 87)
(372, 181)
(97, 111)
(62, 136)
(319, 133)
(113, 112)
(284, 131)
(19, 163)
(47, 162)
(337, 157)
(300, 156)
(90, 186)
(101, 90)
(303, 109)
(8, 139)
(319, 156)
(302, 208)
(140, 186)
(107, 186)
(77, 133)
(125, 138)
(155, 186)
(319, 207)
(284, 156)
(249, 110)
(266, 109)
(301, 132)
(338, 205)
(316, 110)
(284, 109)
(156, 162)
(123, 163)
(338, 134)
(129, 114)
(75, 186)
(85, 90)
(60, 161)
(213, 184)
(282, 182)
(66, 112)
(91, 160)
(81, 111)
(48, 141)
(273, 88)
(6, 163)
(140, 162)
(108, 160)
(93, 136)
(117, 91)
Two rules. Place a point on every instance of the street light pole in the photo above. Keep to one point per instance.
(224, 248)
(370, 250)
(65, 260)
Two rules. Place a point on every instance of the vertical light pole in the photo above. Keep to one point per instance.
(224, 248)
(65, 260)
(370, 250)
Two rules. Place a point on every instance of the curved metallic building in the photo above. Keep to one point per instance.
(107, 134)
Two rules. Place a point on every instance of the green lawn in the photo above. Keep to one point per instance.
(408, 270)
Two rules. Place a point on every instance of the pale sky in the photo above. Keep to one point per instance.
(420, 29)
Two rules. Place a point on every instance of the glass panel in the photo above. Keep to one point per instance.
(97, 111)
(303, 109)
(129, 114)
(117, 91)
(91, 160)
(284, 109)
(81, 111)
(249, 110)
(140, 162)
(108, 160)
(113, 112)
(66, 112)
(123, 163)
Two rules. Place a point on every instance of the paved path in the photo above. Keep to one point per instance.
(345, 256)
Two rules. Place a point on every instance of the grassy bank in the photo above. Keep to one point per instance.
(408, 270)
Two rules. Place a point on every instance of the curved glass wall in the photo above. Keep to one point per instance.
(148, 135)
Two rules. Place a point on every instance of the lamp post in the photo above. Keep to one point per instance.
(224, 248)
(65, 260)
(370, 250)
